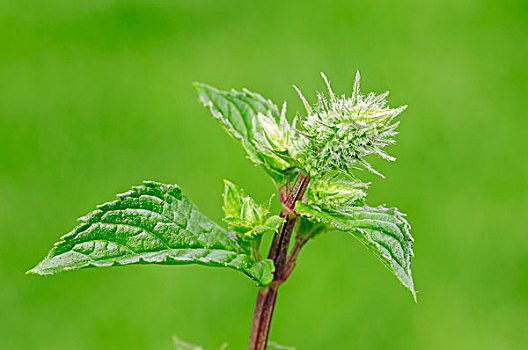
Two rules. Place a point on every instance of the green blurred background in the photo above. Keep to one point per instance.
(96, 96)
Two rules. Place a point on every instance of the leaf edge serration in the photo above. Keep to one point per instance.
(239, 259)
(332, 217)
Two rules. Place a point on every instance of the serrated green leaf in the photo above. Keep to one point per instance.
(247, 117)
(151, 224)
(384, 231)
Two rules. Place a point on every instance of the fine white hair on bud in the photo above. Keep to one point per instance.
(334, 135)
(339, 131)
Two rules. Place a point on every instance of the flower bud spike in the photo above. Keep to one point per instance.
(304, 101)
(330, 92)
(380, 98)
(355, 90)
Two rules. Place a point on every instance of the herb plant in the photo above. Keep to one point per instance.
(313, 162)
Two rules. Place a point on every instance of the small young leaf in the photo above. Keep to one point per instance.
(151, 224)
(249, 214)
(384, 231)
(232, 199)
(244, 216)
(337, 189)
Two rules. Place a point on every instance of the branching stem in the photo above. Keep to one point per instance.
(290, 261)
(266, 296)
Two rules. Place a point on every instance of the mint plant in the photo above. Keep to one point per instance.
(314, 163)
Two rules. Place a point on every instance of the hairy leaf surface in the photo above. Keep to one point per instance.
(384, 231)
(151, 224)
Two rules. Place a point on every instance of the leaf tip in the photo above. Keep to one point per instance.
(34, 271)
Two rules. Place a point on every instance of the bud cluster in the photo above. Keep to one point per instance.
(339, 132)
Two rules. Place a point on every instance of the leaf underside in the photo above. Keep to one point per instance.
(384, 231)
(151, 224)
